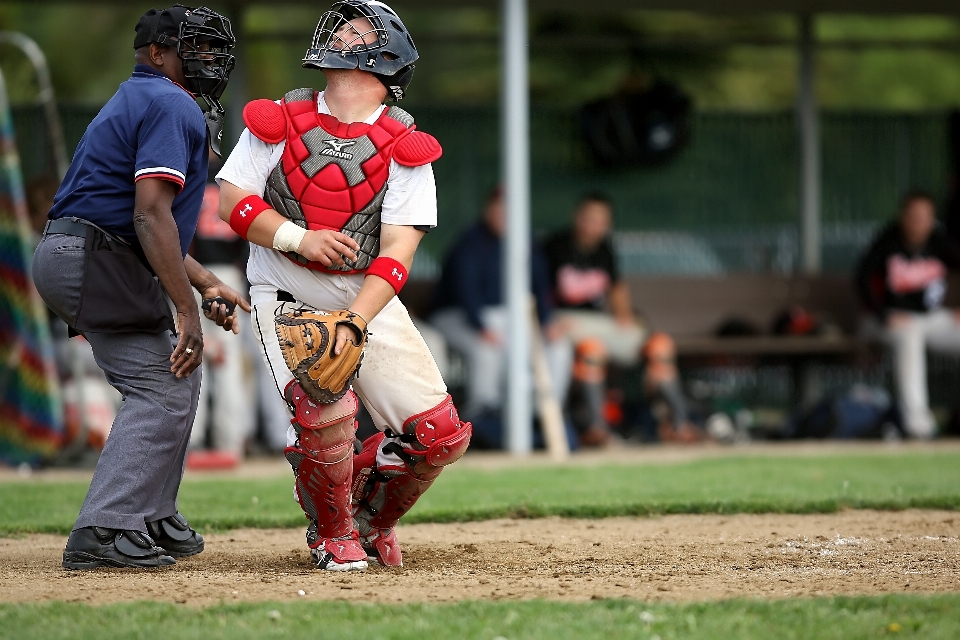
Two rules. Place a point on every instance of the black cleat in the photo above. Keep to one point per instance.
(93, 547)
(175, 536)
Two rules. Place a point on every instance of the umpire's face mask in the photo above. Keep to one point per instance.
(206, 67)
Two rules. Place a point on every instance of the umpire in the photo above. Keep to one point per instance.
(113, 258)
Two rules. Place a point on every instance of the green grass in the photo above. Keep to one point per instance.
(899, 616)
(721, 485)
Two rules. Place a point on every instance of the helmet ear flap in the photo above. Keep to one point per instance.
(397, 83)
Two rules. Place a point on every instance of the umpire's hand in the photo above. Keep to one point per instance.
(218, 312)
(189, 350)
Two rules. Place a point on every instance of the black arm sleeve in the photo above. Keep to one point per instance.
(610, 258)
(870, 265)
(947, 250)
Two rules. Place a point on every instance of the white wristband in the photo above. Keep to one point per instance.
(288, 237)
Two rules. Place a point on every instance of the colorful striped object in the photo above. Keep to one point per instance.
(31, 415)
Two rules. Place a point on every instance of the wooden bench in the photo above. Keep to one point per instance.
(692, 309)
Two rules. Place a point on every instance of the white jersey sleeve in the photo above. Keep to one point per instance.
(250, 163)
(411, 197)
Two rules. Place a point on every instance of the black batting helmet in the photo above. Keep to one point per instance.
(384, 48)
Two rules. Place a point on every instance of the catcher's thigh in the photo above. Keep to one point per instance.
(399, 377)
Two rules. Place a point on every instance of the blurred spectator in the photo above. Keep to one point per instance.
(902, 281)
(90, 404)
(471, 315)
(40, 192)
(594, 307)
(593, 299)
(227, 404)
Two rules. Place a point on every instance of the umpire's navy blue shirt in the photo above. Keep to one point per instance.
(151, 128)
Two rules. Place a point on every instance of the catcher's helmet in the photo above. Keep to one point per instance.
(384, 48)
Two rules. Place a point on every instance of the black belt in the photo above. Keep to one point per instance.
(283, 296)
(77, 227)
(66, 226)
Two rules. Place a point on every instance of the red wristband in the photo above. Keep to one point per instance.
(245, 213)
(390, 270)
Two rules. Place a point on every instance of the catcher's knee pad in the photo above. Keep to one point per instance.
(434, 438)
(322, 459)
(383, 493)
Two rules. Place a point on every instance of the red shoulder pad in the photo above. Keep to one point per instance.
(417, 149)
(266, 120)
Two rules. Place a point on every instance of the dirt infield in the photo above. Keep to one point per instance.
(668, 558)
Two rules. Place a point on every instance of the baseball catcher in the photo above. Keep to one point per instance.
(334, 191)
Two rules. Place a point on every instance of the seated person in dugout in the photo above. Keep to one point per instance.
(594, 309)
(902, 281)
(472, 316)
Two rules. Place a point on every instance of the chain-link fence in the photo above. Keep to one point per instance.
(727, 203)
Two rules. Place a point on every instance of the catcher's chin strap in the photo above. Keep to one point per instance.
(383, 493)
(322, 460)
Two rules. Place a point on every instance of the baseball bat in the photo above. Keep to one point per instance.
(548, 407)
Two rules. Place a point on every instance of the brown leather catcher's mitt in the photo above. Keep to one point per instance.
(307, 339)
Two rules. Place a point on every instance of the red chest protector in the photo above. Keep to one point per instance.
(334, 175)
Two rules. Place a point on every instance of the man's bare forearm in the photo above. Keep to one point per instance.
(200, 277)
(620, 300)
(157, 232)
(399, 243)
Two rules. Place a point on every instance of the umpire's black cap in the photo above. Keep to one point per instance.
(160, 26)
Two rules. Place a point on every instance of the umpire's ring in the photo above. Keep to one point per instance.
(188, 350)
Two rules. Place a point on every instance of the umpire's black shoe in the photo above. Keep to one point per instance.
(93, 547)
(175, 536)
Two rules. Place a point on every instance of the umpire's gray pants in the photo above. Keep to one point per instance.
(138, 475)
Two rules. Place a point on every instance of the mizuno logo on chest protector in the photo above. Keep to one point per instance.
(336, 149)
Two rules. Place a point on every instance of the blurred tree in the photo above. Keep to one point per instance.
(89, 48)
(723, 62)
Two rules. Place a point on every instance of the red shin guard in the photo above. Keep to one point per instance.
(322, 462)
(382, 494)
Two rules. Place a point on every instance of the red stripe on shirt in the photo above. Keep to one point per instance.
(162, 176)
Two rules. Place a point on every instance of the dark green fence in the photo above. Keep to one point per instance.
(728, 202)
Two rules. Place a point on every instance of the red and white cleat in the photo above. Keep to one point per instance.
(336, 554)
(382, 548)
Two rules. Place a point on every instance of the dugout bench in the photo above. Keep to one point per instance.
(691, 309)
